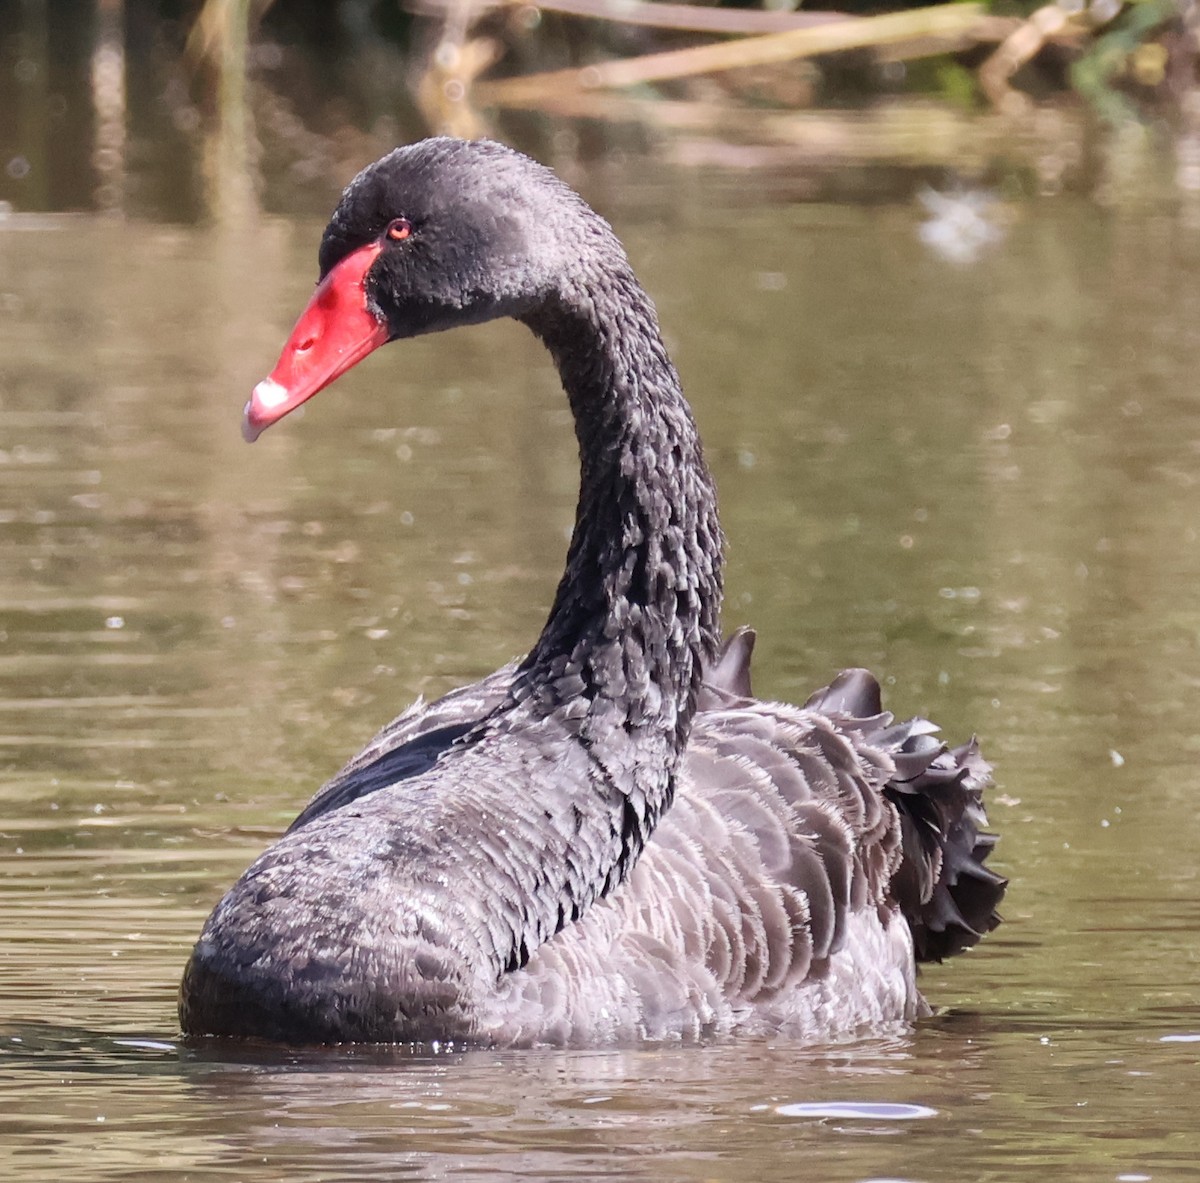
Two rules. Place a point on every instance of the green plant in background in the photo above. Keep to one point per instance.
(956, 84)
(1128, 46)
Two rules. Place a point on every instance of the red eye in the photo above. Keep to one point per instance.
(399, 229)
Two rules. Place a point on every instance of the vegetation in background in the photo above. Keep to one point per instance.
(219, 107)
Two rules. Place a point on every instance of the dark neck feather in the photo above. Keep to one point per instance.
(636, 613)
(616, 672)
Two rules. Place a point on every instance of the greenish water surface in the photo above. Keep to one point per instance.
(979, 480)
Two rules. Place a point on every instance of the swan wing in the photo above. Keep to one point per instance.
(411, 743)
(808, 851)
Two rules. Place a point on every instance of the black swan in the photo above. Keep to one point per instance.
(610, 839)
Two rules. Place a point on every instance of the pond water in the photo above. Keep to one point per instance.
(978, 479)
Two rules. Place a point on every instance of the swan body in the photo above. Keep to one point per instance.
(611, 839)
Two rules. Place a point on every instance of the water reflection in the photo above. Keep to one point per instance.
(979, 481)
(902, 1107)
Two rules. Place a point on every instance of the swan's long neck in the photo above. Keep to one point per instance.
(636, 613)
(405, 908)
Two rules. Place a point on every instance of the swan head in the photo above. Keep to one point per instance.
(436, 234)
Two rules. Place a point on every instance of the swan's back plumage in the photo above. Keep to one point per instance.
(766, 901)
(785, 889)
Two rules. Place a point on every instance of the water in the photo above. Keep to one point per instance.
(980, 480)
